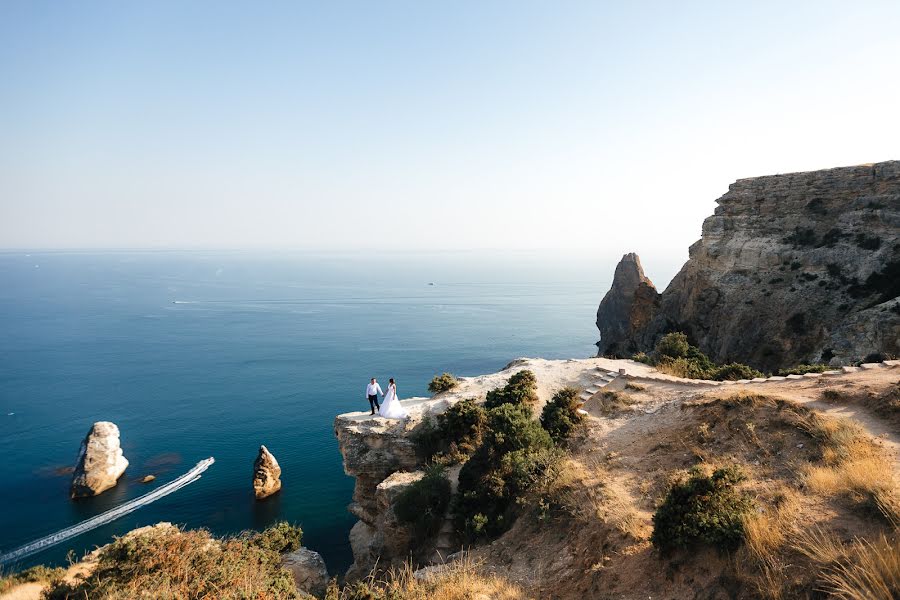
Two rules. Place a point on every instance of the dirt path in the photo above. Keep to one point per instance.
(32, 590)
(655, 402)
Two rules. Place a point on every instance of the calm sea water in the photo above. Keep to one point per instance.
(212, 354)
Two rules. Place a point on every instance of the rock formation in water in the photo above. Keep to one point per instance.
(309, 571)
(796, 268)
(100, 461)
(266, 474)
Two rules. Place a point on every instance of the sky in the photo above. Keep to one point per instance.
(590, 127)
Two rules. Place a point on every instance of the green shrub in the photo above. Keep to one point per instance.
(442, 383)
(677, 357)
(520, 389)
(281, 537)
(702, 509)
(682, 367)
(801, 369)
(491, 480)
(673, 345)
(560, 416)
(424, 503)
(733, 372)
(642, 357)
(455, 433)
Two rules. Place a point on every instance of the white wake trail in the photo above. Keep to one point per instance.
(108, 516)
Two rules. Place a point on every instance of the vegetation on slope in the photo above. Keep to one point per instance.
(423, 504)
(165, 562)
(702, 509)
(442, 383)
(459, 580)
(674, 355)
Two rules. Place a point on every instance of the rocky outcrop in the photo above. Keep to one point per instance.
(381, 455)
(375, 449)
(378, 536)
(629, 305)
(309, 571)
(266, 474)
(795, 268)
(100, 461)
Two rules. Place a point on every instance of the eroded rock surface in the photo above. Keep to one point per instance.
(380, 455)
(266, 474)
(100, 461)
(795, 268)
(308, 569)
(629, 305)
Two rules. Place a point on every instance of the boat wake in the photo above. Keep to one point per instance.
(108, 516)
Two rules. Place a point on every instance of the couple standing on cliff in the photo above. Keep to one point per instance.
(390, 407)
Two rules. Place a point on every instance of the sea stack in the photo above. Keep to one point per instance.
(100, 461)
(266, 474)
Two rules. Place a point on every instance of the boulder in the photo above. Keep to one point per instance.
(266, 474)
(100, 461)
(308, 569)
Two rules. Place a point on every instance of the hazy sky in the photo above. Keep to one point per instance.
(404, 125)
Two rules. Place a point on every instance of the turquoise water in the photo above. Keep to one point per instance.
(212, 354)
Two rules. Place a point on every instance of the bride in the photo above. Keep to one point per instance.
(391, 407)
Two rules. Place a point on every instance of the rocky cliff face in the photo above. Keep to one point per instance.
(803, 267)
(100, 461)
(381, 455)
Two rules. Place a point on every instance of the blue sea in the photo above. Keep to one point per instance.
(197, 354)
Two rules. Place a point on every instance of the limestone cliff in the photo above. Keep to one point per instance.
(802, 267)
(381, 455)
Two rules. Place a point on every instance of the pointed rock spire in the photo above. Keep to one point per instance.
(266, 474)
(628, 306)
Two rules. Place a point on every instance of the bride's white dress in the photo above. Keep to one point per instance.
(391, 407)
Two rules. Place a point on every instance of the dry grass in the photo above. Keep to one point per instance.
(860, 570)
(584, 491)
(461, 579)
(614, 402)
(164, 562)
(635, 387)
(854, 467)
(767, 531)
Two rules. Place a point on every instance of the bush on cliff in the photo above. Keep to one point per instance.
(674, 355)
(424, 503)
(802, 369)
(164, 562)
(702, 509)
(513, 450)
(453, 435)
(673, 345)
(560, 416)
(520, 389)
(442, 383)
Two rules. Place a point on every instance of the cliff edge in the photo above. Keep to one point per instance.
(790, 269)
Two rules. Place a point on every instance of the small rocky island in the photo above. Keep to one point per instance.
(266, 474)
(100, 461)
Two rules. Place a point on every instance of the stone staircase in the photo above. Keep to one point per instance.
(600, 378)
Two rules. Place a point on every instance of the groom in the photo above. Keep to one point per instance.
(372, 391)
